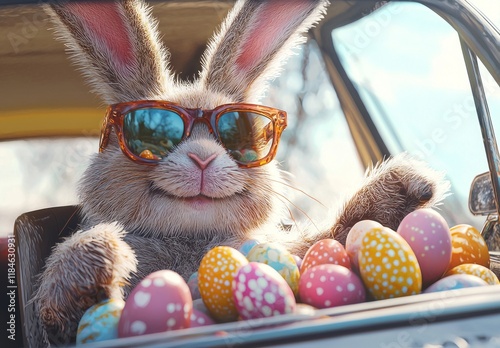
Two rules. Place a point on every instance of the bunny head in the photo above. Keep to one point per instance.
(198, 187)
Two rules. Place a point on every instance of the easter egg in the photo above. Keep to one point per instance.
(259, 291)
(160, 302)
(468, 246)
(215, 276)
(354, 237)
(325, 251)
(199, 305)
(387, 265)
(298, 261)
(454, 282)
(280, 259)
(247, 246)
(193, 286)
(428, 235)
(100, 322)
(479, 271)
(328, 285)
(305, 309)
(199, 318)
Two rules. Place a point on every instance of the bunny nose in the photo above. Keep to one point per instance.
(202, 164)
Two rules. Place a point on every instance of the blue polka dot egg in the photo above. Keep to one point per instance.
(278, 258)
(100, 322)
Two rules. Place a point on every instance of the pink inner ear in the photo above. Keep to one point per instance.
(104, 21)
(276, 19)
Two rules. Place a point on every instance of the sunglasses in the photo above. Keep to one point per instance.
(149, 130)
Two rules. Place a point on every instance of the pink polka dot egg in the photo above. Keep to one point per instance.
(428, 235)
(328, 285)
(201, 315)
(259, 291)
(325, 251)
(160, 302)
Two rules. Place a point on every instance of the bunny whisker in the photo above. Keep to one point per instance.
(285, 200)
(291, 186)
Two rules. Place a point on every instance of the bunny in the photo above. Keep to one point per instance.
(167, 212)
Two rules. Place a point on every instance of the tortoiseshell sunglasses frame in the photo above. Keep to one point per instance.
(115, 114)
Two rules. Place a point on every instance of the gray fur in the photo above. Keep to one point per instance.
(139, 219)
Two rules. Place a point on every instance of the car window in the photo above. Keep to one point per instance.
(413, 80)
(317, 148)
(40, 173)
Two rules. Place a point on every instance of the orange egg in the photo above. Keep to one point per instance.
(473, 269)
(215, 277)
(468, 246)
(388, 266)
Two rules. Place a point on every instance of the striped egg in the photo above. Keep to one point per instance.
(215, 276)
(387, 265)
(325, 251)
(327, 285)
(280, 259)
(100, 322)
(428, 235)
(468, 246)
(259, 291)
(354, 237)
(473, 269)
(160, 302)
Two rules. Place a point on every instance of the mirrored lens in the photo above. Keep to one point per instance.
(152, 133)
(247, 136)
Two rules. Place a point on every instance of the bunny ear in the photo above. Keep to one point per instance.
(254, 41)
(117, 47)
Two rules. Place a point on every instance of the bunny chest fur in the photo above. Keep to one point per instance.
(180, 253)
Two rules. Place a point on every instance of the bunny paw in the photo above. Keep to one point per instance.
(85, 269)
(391, 190)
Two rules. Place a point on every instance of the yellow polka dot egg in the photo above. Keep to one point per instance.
(388, 266)
(476, 270)
(215, 277)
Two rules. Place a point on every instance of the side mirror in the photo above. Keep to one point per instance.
(481, 196)
(482, 202)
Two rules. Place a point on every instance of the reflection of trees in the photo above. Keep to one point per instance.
(156, 130)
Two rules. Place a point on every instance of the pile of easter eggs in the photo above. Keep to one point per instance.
(264, 279)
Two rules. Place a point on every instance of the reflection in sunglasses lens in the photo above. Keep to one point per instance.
(246, 135)
(152, 133)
